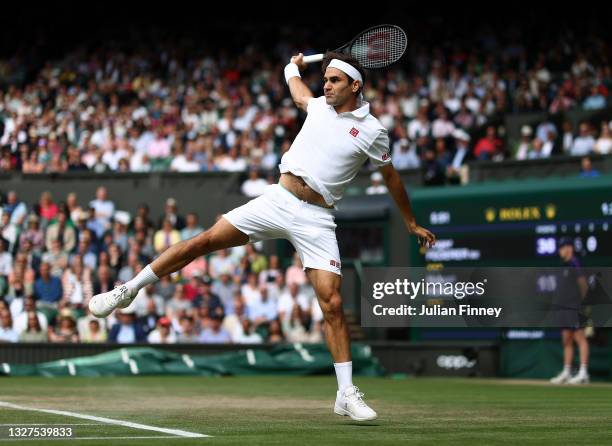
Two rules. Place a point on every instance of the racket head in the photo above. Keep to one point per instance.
(378, 46)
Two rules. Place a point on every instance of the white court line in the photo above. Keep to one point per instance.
(176, 432)
(92, 438)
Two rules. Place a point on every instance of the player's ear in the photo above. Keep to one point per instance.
(356, 86)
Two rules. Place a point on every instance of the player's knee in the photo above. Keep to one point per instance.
(332, 308)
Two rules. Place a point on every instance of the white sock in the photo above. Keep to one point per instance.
(344, 373)
(142, 279)
(567, 369)
(584, 369)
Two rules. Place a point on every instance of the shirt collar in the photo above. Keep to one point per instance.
(358, 113)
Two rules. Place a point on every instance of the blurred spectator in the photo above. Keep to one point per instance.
(47, 209)
(263, 310)
(488, 146)
(126, 330)
(179, 302)
(171, 214)
(548, 146)
(586, 168)
(120, 225)
(183, 161)
(584, 143)
(220, 263)
(62, 229)
(206, 298)
(47, 288)
(7, 333)
(188, 333)
(166, 237)
(215, 334)
(536, 151)
(94, 332)
(268, 276)
(163, 334)
(56, 257)
(6, 259)
(76, 283)
(16, 208)
(103, 282)
(567, 137)
(154, 306)
(33, 234)
(295, 273)
(192, 228)
(291, 297)
(275, 333)
(247, 334)
(9, 232)
(460, 156)
(442, 127)
(376, 186)
(595, 100)
(254, 186)
(603, 145)
(73, 208)
(66, 329)
(544, 128)
(103, 211)
(404, 155)
(21, 309)
(434, 171)
(33, 332)
(257, 261)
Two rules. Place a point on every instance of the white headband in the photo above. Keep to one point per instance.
(347, 69)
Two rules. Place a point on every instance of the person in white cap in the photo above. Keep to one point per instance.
(337, 138)
(377, 186)
(525, 145)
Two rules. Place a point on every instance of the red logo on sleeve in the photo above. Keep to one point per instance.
(334, 263)
(386, 156)
(354, 132)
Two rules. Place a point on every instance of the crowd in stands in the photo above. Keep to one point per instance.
(55, 256)
(145, 111)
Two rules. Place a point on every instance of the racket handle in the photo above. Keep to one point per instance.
(313, 58)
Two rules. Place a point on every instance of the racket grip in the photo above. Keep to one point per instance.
(313, 58)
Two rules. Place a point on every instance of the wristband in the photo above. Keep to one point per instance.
(291, 70)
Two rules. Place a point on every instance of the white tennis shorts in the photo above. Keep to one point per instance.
(280, 214)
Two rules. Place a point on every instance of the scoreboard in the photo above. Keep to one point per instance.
(516, 223)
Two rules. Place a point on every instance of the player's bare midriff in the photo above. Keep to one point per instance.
(298, 187)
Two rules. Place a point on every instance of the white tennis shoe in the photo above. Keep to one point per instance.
(579, 378)
(561, 378)
(350, 404)
(101, 305)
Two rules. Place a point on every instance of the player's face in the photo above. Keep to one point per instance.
(336, 87)
(566, 252)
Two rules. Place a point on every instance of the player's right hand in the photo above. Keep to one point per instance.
(299, 61)
(426, 237)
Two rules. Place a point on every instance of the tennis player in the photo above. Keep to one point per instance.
(338, 136)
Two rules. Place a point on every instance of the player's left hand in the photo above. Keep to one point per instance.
(426, 237)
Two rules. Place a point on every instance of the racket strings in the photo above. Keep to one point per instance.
(380, 46)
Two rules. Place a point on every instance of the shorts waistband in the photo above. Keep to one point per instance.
(290, 194)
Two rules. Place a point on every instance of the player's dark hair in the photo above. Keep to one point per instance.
(344, 58)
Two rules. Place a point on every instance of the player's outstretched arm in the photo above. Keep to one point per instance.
(300, 93)
(397, 191)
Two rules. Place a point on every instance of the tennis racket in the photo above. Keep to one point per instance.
(376, 47)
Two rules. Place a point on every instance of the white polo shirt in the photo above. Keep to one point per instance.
(331, 147)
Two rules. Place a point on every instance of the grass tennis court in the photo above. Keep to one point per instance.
(298, 410)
